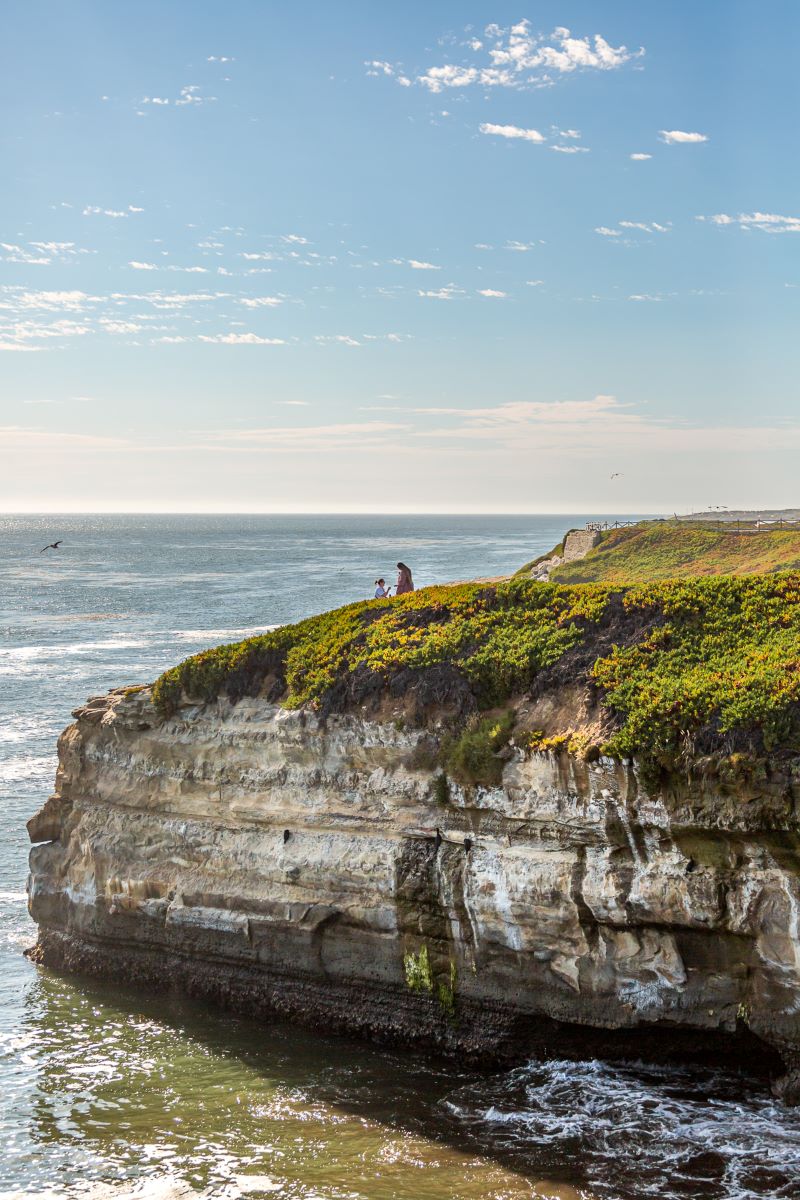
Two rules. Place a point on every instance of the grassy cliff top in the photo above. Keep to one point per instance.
(665, 550)
(676, 669)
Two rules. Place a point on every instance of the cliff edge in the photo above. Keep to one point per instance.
(502, 820)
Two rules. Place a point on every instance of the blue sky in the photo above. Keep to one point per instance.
(454, 257)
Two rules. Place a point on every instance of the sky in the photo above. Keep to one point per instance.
(361, 257)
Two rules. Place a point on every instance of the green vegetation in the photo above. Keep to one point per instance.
(446, 993)
(473, 756)
(441, 790)
(680, 669)
(721, 669)
(419, 976)
(666, 550)
(498, 637)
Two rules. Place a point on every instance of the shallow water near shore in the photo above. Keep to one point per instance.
(106, 1092)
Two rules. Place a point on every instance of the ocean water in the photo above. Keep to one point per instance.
(105, 1092)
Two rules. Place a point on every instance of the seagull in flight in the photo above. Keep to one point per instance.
(52, 546)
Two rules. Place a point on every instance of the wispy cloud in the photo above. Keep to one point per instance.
(240, 339)
(492, 294)
(94, 210)
(416, 265)
(261, 301)
(188, 96)
(640, 157)
(766, 222)
(677, 137)
(623, 228)
(449, 292)
(41, 254)
(343, 339)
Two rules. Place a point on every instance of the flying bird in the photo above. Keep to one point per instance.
(52, 546)
(616, 474)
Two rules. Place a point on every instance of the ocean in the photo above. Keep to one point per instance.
(107, 1092)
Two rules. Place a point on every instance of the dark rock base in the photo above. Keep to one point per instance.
(487, 1034)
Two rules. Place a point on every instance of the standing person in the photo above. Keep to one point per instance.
(381, 590)
(404, 581)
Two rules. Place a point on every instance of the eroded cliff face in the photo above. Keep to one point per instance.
(281, 865)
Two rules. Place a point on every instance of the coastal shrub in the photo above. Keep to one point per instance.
(681, 668)
(473, 757)
(497, 637)
(721, 674)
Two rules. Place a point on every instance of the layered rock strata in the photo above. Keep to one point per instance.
(328, 871)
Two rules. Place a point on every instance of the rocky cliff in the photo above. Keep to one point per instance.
(322, 866)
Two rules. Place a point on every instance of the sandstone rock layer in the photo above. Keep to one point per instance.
(325, 871)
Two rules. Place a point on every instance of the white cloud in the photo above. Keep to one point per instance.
(677, 137)
(378, 67)
(571, 149)
(569, 133)
(295, 239)
(261, 301)
(534, 282)
(645, 297)
(416, 265)
(634, 226)
(641, 157)
(490, 292)
(653, 227)
(445, 293)
(517, 58)
(19, 254)
(766, 222)
(241, 339)
(344, 339)
(520, 247)
(220, 58)
(142, 266)
(92, 210)
(191, 95)
(17, 299)
(513, 131)
(120, 327)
